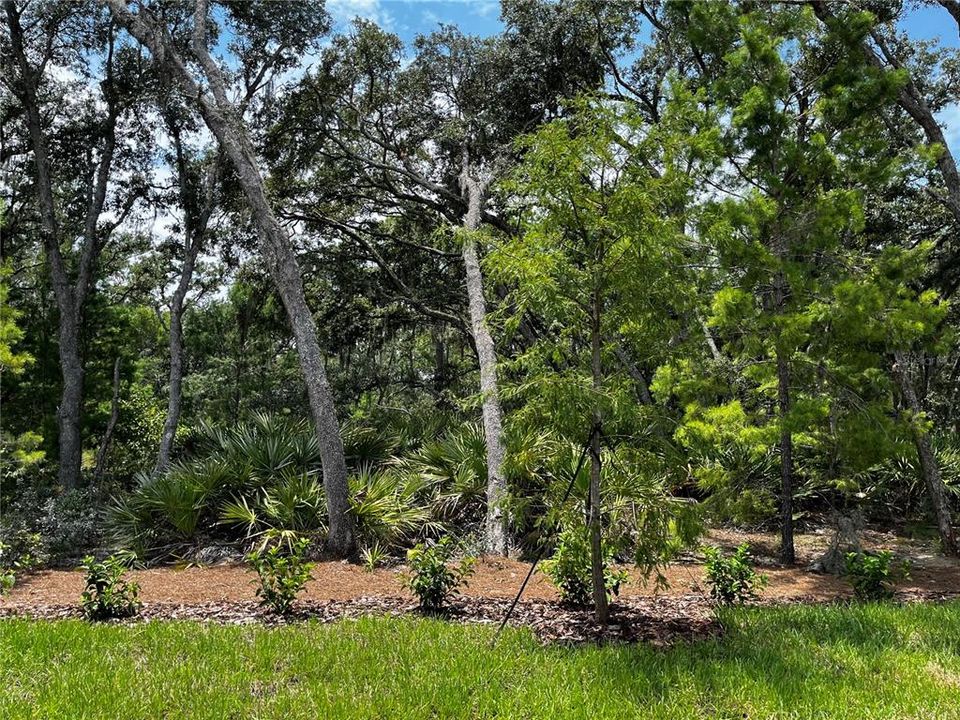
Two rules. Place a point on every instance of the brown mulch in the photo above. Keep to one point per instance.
(225, 593)
(336, 580)
(657, 621)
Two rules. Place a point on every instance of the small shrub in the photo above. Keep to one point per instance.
(22, 549)
(732, 579)
(7, 579)
(873, 575)
(570, 571)
(16, 559)
(71, 523)
(281, 575)
(106, 594)
(433, 578)
(373, 556)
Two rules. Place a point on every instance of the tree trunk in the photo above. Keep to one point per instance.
(195, 225)
(496, 521)
(784, 402)
(71, 403)
(596, 531)
(222, 119)
(175, 392)
(929, 465)
(101, 465)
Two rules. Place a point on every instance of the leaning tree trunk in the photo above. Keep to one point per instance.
(594, 520)
(929, 465)
(222, 118)
(496, 521)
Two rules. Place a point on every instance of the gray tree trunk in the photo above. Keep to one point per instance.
(221, 117)
(594, 519)
(929, 465)
(195, 226)
(496, 541)
(101, 464)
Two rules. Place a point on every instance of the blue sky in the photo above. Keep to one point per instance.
(407, 18)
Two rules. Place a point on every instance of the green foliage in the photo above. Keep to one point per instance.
(106, 594)
(71, 523)
(282, 574)
(873, 575)
(293, 507)
(569, 568)
(433, 577)
(392, 507)
(9, 566)
(373, 556)
(259, 477)
(11, 360)
(22, 549)
(731, 578)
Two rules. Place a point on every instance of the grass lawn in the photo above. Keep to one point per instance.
(869, 661)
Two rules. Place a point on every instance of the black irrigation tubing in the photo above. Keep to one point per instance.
(523, 586)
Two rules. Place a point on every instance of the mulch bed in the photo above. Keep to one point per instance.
(224, 593)
(660, 621)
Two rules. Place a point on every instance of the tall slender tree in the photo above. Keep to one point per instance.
(75, 185)
(274, 37)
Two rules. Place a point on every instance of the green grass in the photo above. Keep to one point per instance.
(870, 661)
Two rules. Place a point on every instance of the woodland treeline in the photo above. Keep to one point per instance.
(265, 279)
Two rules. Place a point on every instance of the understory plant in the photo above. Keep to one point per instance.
(282, 572)
(434, 578)
(731, 578)
(7, 576)
(569, 568)
(18, 559)
(873, 575)
(106, 594)
(373, 556)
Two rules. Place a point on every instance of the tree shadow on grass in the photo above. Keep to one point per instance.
(788, 657)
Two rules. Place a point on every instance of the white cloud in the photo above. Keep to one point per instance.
(344, 11)
(486, 8)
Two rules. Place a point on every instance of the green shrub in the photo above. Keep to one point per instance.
(570, 571)
(106, 594)
(373, 556)
(392, 507)
(281, 575)
(873, 575)
(21, 557)
(732, 579)
(433, 578)
(7, 577)
(283, 514)
(71, 523)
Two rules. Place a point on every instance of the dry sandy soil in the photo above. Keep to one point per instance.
(498, 579)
